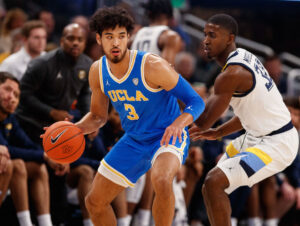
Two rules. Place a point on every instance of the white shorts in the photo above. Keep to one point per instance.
(249, 160)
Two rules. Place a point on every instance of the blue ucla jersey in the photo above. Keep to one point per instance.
(145, 112)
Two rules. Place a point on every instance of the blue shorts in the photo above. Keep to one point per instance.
(129, 159)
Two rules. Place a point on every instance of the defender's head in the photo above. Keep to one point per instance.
(220, 32)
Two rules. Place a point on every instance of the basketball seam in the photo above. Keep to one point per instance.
(83, 141)
(63, 142)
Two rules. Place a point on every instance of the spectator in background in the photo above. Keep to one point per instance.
(83, 21)
(274, 67)
(185, 64)
(52, 38)
(21, 148)
(34, 33)
(93, 50)
(50, 85)
(17, 44)
(14, 19)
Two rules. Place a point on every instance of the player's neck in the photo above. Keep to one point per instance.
(222, 58)
(159, 22)
(119, 69)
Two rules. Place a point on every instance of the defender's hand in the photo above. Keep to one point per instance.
(210, 134)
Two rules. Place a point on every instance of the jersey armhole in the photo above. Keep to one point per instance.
(237, 94)
(143, 75)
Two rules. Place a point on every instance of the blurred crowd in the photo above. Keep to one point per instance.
(44, 79)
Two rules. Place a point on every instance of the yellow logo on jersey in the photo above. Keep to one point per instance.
(122, 95)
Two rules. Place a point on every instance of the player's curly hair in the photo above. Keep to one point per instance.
(155, 8)
(225, 21)
(110, 17)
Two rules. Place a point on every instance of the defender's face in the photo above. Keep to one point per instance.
(9, 96)
(114, 43)
(216, 40)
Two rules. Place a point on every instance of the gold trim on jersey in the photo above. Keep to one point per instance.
(143, 76)
(131, 64)
(100, 74)
(105, 164)
(223, 69)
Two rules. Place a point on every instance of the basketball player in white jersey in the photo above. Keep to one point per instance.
(159, 39)
(270, 143)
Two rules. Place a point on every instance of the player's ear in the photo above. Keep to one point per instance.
(231, 38)
(98, 39)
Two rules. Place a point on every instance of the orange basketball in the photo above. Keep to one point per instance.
(63, 142)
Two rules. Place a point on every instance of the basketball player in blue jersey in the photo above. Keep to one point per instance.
(143, 88)
(270, 143)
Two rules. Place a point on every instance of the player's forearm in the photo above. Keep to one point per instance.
(184, 120)
(231, 126)
(91, 122)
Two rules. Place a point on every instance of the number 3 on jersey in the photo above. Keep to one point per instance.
(132, 115)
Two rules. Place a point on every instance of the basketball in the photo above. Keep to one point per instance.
(63, 142)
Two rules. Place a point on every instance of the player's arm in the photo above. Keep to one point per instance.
(228, 82)
(159, 74)
(97, 116)
(171, 44)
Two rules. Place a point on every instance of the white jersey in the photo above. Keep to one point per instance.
(261, 110)
(146, 39)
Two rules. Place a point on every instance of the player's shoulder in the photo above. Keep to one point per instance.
(233, 71)
(95, 67)
(155, 62)
(238, 62)
(240, 56)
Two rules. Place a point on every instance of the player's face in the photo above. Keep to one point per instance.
(9, 96)
(73, 42)
(216, 40)
(114, 43)
(37, 40)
